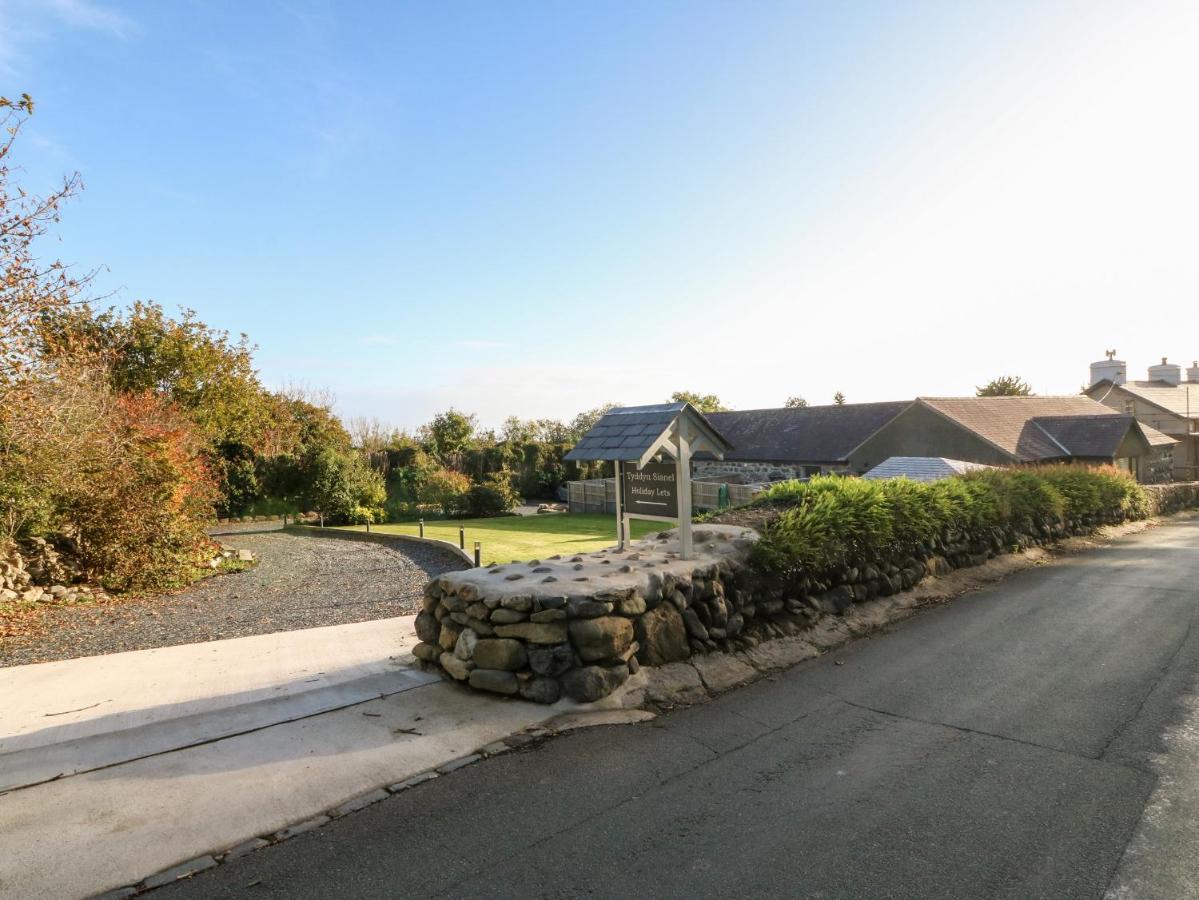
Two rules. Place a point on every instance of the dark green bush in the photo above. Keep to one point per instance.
(495, 496)
(833, 522)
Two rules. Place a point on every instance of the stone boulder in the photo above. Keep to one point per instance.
(551, 660)
(601, 638)
(427, 627)
(505, 654)
(534, 632)
(591, 683)
(458, 668)
(494, 680)
(662, 636)
(541, 690)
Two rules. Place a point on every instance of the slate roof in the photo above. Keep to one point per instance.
(1170, 397)
(810, 434)
(627, 432)
(921, 468)
(1041, 428)
(1087, 436)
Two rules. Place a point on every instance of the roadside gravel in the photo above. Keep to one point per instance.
(299, 582)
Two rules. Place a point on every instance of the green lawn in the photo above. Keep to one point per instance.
(528, 537)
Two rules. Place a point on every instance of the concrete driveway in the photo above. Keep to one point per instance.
(1039, 738)
(114, 768)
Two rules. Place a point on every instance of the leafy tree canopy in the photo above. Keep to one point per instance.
(450, 433)
(198, 368)
(839, 398)
(795, 403)
(705, 403)
(1004, 386)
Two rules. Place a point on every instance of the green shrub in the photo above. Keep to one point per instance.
(493, 497)
(833, 522)
(444, 490)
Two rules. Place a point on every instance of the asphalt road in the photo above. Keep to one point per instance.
(1005, 745)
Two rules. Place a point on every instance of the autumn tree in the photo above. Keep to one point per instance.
(1004, 386)
(29, 286)
(795, 403)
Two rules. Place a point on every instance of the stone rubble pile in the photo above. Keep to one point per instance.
(38, 572)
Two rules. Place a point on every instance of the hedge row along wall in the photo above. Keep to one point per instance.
(580, 626)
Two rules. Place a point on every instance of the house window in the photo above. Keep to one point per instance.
(1130, 407)
(809, 471)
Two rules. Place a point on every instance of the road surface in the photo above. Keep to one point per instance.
(1035, 739)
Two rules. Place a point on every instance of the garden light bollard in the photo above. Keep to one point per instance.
(461, 538)
(422, 527)
(478, 554)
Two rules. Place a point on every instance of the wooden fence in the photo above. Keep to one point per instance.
(599, 495)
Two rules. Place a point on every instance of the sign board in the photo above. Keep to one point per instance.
(650, 491)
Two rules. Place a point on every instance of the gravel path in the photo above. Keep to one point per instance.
(300, 582)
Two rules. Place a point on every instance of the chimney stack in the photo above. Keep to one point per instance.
(1168, 372)
(1193, 373)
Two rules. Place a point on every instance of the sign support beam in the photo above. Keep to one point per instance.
(620, 519)
(683, 478)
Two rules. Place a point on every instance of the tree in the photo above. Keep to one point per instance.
(450, 433)
(795, 403)
(200, 369)
(29, 287)
(585, 421)
(1004, 386)
(839, 398)
(705, 403)
(342, 487)
(122, 476)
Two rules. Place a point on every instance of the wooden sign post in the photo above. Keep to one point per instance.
(651, 448)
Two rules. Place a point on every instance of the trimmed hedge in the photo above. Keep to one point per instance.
(832, 524)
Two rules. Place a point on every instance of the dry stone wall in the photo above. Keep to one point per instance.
(580, 626)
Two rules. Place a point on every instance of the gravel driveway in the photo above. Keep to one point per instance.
(300, 582)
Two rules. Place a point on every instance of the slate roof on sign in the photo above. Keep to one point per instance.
(1176, 398)
(921, 468)
(626, 433)
(811, 434)
(1041, 428)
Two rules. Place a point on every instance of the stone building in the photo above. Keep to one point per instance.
(779, 444)
(1164, 401)
(1004, 431)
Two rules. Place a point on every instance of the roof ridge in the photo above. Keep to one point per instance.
(817, 406)
(1019, 397)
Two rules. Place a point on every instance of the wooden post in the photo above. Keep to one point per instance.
(422, 527)
(619, 509)
(461, 537)
(478, 554)
(683, 480)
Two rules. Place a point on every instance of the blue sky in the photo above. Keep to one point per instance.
(531, 208)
